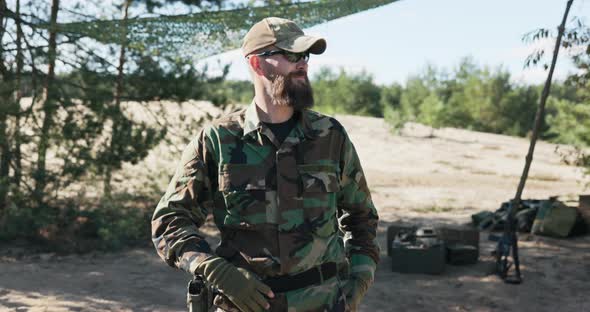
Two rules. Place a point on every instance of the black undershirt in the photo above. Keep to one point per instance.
(281, 130)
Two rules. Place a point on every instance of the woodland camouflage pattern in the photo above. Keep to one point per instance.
(206, 33)
(278, 206)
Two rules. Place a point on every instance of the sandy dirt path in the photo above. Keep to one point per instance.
(423, 176)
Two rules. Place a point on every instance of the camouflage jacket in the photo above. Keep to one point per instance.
(279, 207)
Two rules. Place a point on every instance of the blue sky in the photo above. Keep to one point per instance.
(397, 40)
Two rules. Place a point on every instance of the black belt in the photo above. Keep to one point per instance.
(313, 276)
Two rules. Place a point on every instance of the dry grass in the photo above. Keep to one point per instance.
(452, 165)
(492, 147)
(545, 177)
(435, 209)
(483, 172)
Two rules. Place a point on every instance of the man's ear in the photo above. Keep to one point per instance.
(255, 64)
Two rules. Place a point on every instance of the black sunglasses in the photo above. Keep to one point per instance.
(290, 56)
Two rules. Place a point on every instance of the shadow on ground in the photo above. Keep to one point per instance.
(556, 274)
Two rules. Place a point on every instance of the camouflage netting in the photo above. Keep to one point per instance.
(208, 33)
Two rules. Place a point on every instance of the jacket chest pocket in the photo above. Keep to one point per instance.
(319, 185)
(244, 193)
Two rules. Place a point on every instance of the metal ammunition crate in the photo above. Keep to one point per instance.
(395, 228)
(416, 259)
(457, 234)
(462, 244)
(460, 254)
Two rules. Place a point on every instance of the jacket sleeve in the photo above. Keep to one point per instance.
(357, 215)
(183, 208)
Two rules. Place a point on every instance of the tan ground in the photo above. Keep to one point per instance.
(414, 176)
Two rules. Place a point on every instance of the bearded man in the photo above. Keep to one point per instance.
(286, 190)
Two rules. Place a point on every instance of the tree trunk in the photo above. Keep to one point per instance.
(49, 108)
(117, 103)
(3, 10)
(541, 110)
(4, 146)
(18, 97)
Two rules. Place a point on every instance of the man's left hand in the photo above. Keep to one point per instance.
(355, 290)
(362, 271)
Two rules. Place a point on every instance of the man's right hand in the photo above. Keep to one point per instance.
(240, 286)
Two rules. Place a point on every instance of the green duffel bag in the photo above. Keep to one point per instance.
(482, 218)
(554, 219)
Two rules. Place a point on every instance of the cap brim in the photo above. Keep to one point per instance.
(314, 45)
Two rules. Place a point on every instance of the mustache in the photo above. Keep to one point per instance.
(298, 73)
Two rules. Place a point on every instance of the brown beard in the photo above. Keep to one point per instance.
(287, 91)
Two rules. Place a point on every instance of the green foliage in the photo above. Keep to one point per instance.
(391, 96)
(470, 97)
(83, 126)
(229, 92)
(113, 226)
(107, 225)
(412, 97)
(430, 111)
(161, 78)
(131, 142)
(347, 93)
(395, 119)
(391, 103)
(19, 222)
(571, 122)
(568, 112)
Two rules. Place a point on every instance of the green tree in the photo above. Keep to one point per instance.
(347, 93)
(430, 111)
(571, 123)
(74, 109)
(50, 105)
(414, 94)
(391, 103)
(516, 111)
(566, 116)
(4, 145)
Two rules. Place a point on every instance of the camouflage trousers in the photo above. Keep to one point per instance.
(326, 297)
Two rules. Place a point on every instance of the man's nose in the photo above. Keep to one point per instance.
(301, 64)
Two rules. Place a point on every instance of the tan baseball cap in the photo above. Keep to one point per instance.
(284, 34)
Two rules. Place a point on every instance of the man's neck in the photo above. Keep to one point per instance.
(270, 112)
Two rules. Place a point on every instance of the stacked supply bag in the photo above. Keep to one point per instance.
(550, 217)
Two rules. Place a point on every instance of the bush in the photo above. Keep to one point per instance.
(471, 97)
(109, 225)
(19, 223)
(113, 226)
(347, 93)
(570, 124)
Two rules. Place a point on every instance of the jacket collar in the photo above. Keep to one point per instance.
(253, 123)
